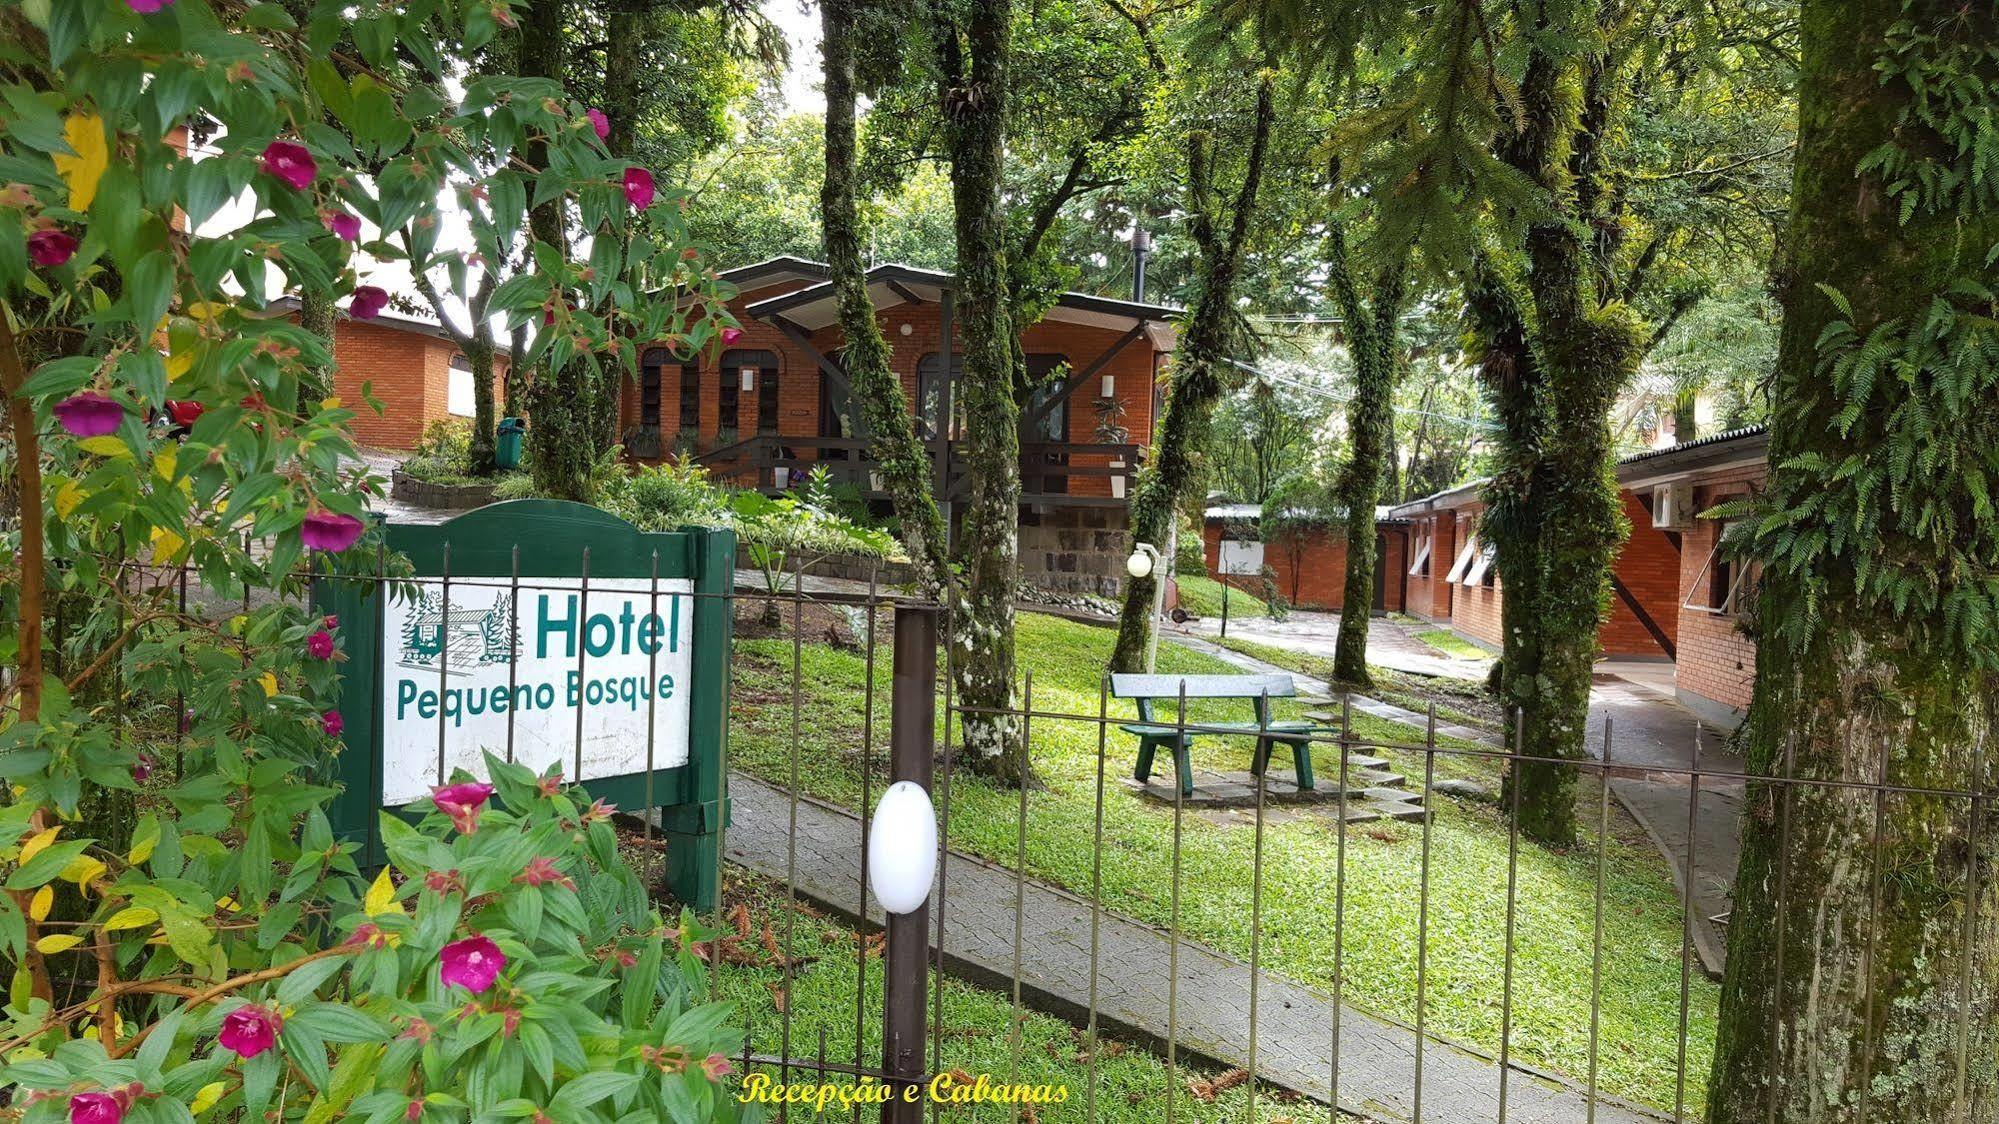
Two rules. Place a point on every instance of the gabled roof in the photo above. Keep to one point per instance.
(772, 271)
(890, 284)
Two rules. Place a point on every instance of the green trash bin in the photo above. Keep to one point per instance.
(507, 448)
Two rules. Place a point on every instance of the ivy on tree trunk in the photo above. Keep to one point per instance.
(1199, 369)
(1863, 956)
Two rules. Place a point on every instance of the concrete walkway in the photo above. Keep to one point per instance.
(1388, 643)
(1211, 1014)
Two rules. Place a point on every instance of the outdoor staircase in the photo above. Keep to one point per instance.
(1374, 791)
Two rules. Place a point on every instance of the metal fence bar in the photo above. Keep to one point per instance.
(1423, 909)
(1512, 913)
(912, 749)
(1596, 946)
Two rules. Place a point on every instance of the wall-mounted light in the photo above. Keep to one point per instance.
(1110, 386)
(749, 376)
(902, 848)
(907, 329)
(1143, 557)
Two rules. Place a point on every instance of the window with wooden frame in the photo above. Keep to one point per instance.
(690, 397)
(652, 367)
(1724, 584)
(1425, 538)
(1481, 572)
(1464, 561)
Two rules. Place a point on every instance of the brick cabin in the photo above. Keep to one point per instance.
(1672, 488)
(775, 404)
(1306, 566)
(411, 366)
(1452, 579)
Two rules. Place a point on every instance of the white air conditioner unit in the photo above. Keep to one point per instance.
(1672, 506)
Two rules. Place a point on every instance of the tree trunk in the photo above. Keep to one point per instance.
(1198, 373)
(974, 102)
(1552, 507)
(1863, 958)
(1685, 424)
(1371, 338)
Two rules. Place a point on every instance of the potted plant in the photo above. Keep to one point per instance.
(1111, 430)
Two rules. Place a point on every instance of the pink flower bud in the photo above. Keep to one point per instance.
(320, 645)
(332, 723)
(90, 414)
(639, 189)
(368, 302)
(291, 163)
(50, 247)
(462, 803)
(599, 122)
(324, 530)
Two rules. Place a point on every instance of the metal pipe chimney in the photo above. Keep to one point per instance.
(1141, 248)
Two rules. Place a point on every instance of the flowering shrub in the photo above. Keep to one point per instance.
(182, 932)
(516, 970)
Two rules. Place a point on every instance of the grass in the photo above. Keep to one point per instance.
(1202, 596)
(829, 958)
(1452, 645)
(1459, 701)
(1378, 937)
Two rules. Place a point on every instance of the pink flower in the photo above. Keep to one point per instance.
(345, 226)
(368, 302)
(599, 122)
(444, 882)
(462, 803)
(731, 335)
(320, 645)
(332, 723)
(331, 621)
(90, 414)
(249, 1030)
(540, 871)
(147, 7)
(142, 769)
(716, 1067)
(473, 963)
(324, 530)
(291, 163)
(95, 1108)
(50, 247)
(549, 785)
(638, 187)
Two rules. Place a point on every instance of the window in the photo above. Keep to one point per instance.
(651, 368)
(1047, 373)
(1463, 562)
(690, 397)
(459, 397)
(930, 395)
(1724, 583)
(1425, 536)
(1481, 572)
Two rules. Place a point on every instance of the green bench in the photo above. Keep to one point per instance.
(1154, 735)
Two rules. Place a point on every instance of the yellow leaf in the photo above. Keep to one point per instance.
(165, 460)
(83, 871)
(270, 682)
(59, 942)
(85, 134)
(228, 903)
(106, 446)
(39, 905)
(166, 545)
(381, 896)
(39, 843)
(332, 403)
(142, 848)
(131, 917)
(67, 498)
(206, 1098)
(206, 310)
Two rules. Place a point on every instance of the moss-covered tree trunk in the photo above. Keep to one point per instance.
(905, 465)
(1200, 369)
(973, 93)
(1371, 338)
(1863, 959)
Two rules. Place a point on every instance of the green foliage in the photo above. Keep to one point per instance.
(789, 532)
(666, 497)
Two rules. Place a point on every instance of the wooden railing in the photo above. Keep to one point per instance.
(1050, 471)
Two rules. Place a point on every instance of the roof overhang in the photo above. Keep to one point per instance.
(1739, 448)
(814, 306)
(1446, 500)
(290, 304)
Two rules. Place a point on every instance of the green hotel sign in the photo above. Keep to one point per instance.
(554, 635)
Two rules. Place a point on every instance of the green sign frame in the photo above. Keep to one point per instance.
(538, 539)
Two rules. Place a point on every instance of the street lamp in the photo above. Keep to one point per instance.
(902, 848)
(1143, 558)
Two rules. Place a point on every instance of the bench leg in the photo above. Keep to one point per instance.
(1183, 765)
(1301, 763)
(1146, 748)
(1261, 762)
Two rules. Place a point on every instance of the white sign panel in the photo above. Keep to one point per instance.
(1241, 557)
(622, 653)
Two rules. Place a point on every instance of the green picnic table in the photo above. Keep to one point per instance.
(1178, 738)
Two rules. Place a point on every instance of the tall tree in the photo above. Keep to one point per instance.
(1202, 364)
(1864, 949)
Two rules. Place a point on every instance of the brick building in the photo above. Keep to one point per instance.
(1307, 566)
(1672, 489)
(1452, 579)
(775, 404)
(412, 367)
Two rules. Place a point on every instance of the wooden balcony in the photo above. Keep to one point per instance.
(1061, 474)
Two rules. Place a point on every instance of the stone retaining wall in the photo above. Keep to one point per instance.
(454, 497)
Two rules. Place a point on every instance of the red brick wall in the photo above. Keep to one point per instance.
(1716, 660)
(408, 371)
(798, 377)
(1475, 609)
(1429, 597)
(1309, 569)
(1649, 567)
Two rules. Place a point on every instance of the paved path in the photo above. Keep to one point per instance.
(1388, 643)
(1212, 1017)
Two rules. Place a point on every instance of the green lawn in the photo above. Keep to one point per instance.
(1467, 872)
(1202, 596)
(1131, 1083)
(1452, 645)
